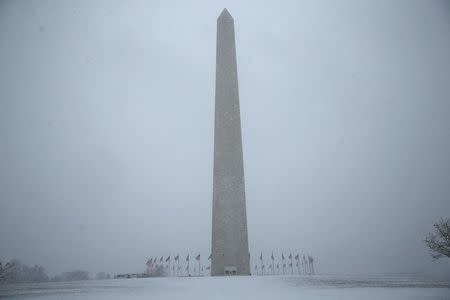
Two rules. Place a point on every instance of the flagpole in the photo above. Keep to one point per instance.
(303, 265)
(292, 267)
(309, 264)
(309, 267)
(260, 262)
(188, 266)
(272, 263)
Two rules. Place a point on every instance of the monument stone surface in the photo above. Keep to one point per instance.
(229, 249)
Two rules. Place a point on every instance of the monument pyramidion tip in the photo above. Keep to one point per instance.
(225, 16)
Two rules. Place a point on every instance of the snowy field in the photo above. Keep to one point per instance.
(267, 287)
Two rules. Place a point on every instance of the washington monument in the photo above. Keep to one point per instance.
(229, 249)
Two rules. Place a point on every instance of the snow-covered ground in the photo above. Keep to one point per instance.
(267, 287)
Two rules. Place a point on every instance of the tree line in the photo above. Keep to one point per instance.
(15, 271)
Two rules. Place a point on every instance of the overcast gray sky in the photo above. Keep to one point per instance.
(107, 115)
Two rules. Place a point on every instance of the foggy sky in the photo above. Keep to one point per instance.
(107, 123)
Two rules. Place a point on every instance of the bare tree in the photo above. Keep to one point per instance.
(5, 270)
(439, 242)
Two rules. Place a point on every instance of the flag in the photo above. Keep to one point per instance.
(167, 259)
(290, 256)
(210, 256)
(260, 257)
(282, 256)
(187, 258)
(296, 257)
(272, 257)
(177, 257)
(197, 257)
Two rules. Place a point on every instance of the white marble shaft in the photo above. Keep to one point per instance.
(230, 255)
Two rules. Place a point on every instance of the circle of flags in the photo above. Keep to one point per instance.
(289, 264)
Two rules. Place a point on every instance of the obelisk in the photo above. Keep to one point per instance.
(229, 249)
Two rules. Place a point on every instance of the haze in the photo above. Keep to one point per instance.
(106, 131)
